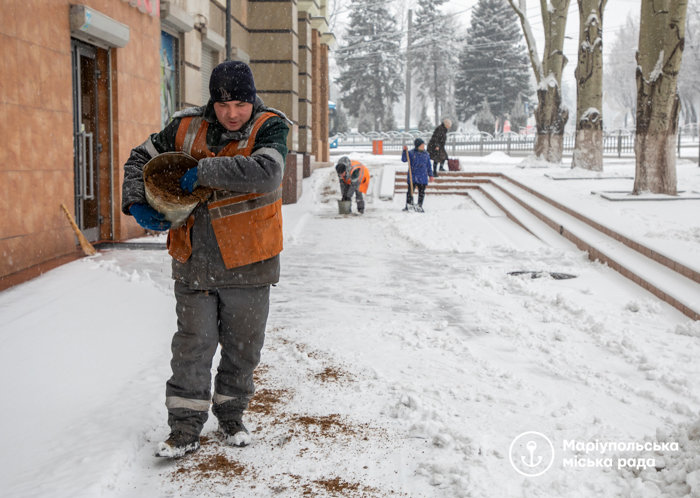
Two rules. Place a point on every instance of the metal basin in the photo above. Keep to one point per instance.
(344, 207)
(161, 178)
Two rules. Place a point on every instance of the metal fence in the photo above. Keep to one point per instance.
(616, 143)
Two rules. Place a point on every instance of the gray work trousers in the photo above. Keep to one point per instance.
(346, 193)
(232, 317)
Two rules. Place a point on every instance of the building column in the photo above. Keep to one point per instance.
(305, 92)
(191, 67)
(316, 99)
(324, 147)
(274, 59)
(322, 41)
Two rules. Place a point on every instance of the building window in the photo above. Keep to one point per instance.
(210, 58)
(168, 76)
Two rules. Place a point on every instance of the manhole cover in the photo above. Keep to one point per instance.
(537, 274)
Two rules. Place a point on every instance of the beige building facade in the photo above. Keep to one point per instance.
(83, 83)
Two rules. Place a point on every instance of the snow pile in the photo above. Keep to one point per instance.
(498, 157)
(677, 466)
(691, 234)
(691, 329)
(536, 162)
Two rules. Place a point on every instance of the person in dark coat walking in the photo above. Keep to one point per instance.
(436, 145)
(420, 172)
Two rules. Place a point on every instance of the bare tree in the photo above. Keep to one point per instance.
(588, 149)
(550, 116)
(689, 78)
(333, 9)
(661, 42)
(619, 85)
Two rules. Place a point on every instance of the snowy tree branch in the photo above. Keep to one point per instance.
(520, 10)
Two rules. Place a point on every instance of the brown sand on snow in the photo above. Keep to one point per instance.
(165, 185)
(213, 466)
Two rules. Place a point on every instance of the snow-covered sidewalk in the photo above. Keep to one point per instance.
(401, 359)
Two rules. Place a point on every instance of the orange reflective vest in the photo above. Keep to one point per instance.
(248, 227)
(358, 170)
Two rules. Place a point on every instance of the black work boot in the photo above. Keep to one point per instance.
(234, 432)
(178, 445)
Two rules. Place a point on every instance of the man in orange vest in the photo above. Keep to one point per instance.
(225, 257)
(354, 180)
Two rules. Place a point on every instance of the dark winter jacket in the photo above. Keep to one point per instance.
(436, 145)
(261, 172)
(421, 169)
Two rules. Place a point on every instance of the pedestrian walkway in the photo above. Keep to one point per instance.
(402, 357)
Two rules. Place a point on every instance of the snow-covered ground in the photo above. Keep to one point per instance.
(401, 359)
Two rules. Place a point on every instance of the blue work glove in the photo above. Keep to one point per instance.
(148, 217)
(188, 181)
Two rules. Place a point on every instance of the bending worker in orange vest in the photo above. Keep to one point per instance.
(225, 257)
(354, 179)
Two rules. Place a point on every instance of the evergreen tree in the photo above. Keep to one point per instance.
(371, 67)
(338, 121)
(485, 120)
(365, 121)
(341, 121)
(518, 116)
(493, 63)
(389, 121)
(433, 54)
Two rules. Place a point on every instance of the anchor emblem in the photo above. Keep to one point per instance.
(531, 447)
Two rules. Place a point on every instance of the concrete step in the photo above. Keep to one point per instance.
(444, 186)
(690, 273)
(451, 181)
(487, 205)
(456, 174)
(677, 288)
(435, 192)
(559, 226)
(523, 217)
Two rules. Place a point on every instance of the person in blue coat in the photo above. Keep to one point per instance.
(421, 172)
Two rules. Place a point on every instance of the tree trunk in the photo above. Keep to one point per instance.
(435, 93)
(550, 119)
(379, 110)
(550, 115)
(661, 43)
(588, 149)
